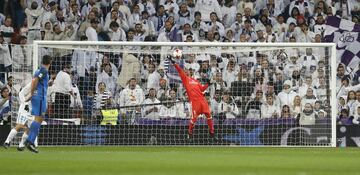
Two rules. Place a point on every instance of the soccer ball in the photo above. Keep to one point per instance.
(177, 53)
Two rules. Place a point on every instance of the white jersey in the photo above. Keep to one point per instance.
(24, 115)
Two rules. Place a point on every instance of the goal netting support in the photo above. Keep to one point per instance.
(128, 93)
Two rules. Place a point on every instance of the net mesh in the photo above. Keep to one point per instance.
(133, 95)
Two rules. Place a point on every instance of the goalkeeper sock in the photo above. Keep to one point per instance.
(191, 125)
(11, 135)
(23, 139)
(34, 131)
(211, 126)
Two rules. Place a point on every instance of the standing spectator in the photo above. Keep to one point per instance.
(116, 33)
(199, 26)
(183, 16)
(130, 68)
(159, 19)
(34, 16)
(151, 111)
(171, 7)
(147, 6)
(6, 30)
(88, 7)
(91, 31)
(21, 56)
(147, 24)
(214, 25)
(131, 95)
(135, 16)
(107, 77)
(63, 92)
(170, 34)
(153, 78)
(207, 7)
(6, 62)
(102, 98)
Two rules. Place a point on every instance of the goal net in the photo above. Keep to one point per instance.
(129, 93)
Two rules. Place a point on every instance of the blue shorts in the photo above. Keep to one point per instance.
(38, 106)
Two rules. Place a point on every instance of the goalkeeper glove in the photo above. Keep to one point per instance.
(171, 59)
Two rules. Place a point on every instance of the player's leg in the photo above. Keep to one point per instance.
(195, 108)
(11, 135)
(210, 122)
(38, 108)
(23, 139)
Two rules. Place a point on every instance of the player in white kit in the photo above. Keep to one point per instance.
(23, 120)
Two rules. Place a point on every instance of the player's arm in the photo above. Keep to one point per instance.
(204, 87)
(34, 84)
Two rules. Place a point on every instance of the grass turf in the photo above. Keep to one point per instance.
(181, 160)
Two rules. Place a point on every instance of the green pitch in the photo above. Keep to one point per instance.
(181, 161)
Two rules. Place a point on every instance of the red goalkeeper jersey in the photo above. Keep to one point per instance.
(193, 87)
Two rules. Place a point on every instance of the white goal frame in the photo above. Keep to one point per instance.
(332, 60)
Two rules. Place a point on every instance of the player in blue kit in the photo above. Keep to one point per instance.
(39, 86)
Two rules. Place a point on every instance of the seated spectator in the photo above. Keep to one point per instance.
(269, 109)
(75, 100)
(163, 92)
(356, 119)
(344, 118)
(91, 31)
(285, 112)
(253, 107)
(151, 111)
(227, 109)
(287, 96)
(102, 98)
(172, 109)
(296, 106)
(309, 97)
(307, 117)
(352, 102)
(5, 107)
(214, 102)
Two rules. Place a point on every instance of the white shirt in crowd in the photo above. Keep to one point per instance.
(91, 34)
(152, 115)
(62, 83)
(230, 109)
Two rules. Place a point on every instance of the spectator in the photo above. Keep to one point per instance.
(6, 61)
(102, 98)
(269, 109)
(130, 68)
(296, 107)
(159, 19)
(131, 95)
(91, 31)
(207, 7)
(184, 16)
(153, 78)
(285, 112)
(163, 92)
(107, 77)
(63, 90)
(119, 20)
(356, 116)
(151, 111)
(5, 97)
(307, 117)
(227, 109)
(34, 16)
(286, 96)
(309, 97)
(6, 30)
(253, 107)
(344, 118)
(147, 6)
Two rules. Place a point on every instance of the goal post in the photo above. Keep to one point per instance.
(232, 128)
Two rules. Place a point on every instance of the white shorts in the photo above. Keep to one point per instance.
(24, 117)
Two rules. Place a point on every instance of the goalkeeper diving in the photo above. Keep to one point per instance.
(23, 120)
(195, 91)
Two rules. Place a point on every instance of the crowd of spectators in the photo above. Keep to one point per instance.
(288, 83)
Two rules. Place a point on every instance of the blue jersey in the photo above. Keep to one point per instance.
(41, 89)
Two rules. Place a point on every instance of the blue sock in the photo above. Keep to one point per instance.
(34, 131)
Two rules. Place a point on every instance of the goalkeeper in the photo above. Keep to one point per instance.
(23, 120)
(195, 91)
